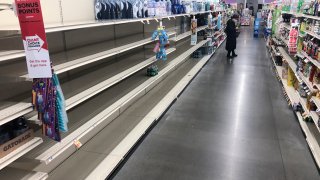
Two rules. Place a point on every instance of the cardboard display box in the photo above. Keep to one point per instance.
(15, 143)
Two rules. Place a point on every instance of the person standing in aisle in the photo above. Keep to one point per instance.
(231, 37)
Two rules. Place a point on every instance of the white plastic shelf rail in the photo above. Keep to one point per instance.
(20, 152)
(57, 149)
(187, 34)
(14, 111)
(315, 62)
(285, 55)
(309, 17)
(312, 34)
(306, 81)
(287, 26)
(12, 54)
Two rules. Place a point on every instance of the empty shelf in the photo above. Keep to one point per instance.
(15, 174)
(13, 54)
(290, 61)
(122, 133)
(97, 110)
(187, 34)
(79, 62)
(19, 152)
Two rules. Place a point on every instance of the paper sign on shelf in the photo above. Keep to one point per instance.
(34, 38)
(194, 27)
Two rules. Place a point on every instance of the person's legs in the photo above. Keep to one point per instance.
(234, 54)
(229, 52)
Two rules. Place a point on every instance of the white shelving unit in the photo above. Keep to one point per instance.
(290, 61)
(294, 14)
(12, 54)
(14, 111)
(315, 62)
(87, 94)
(312, 34)
(57, 27)
(311, 130)
(187, 34)
(287, 26)
(70, 65)
(306, 81)
(57, 149)
(50, 28)
(310, 17)
(316, 101)
(110, 162)
(48, 153)
(284, 40)
(312, 137)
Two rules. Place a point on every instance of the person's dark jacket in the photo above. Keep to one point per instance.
(231, 35)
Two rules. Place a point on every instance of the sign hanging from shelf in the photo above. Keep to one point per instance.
(34, 38)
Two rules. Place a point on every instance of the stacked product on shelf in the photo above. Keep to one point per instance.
(299, 69)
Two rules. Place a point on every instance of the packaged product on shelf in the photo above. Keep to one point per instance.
(163, 42)
(284, 73)
(312, 73)
(306, 70)
(145, 8)
(293, 37)
(152, 70)
(168, 7)
(316, 78)
(194, 36)
(117, 10)
(291, 77)
(135, 9)
(97, 9)
(152, 8)
(124, 9)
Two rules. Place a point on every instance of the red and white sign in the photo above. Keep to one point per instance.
(34, 38)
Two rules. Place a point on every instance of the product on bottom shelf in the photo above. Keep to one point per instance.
(152, 70)
(4, 134)
(307, 118)
(197, 53)
(13, 135)
(297, 107)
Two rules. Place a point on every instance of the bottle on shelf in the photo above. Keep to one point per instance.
(151, 8)
(168, 7)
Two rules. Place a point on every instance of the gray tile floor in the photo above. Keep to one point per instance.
(232, 122)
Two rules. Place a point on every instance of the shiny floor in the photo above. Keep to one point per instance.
(231, 123)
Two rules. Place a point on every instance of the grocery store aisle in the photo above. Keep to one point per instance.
(232, 122)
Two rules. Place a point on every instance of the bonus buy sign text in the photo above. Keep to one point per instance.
(28, 8)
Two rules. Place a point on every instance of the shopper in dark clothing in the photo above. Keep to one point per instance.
(231, 37)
